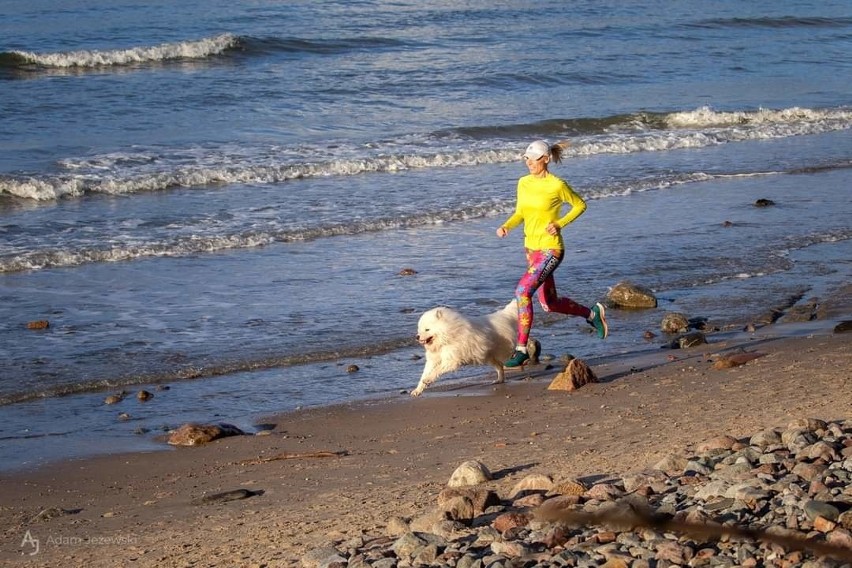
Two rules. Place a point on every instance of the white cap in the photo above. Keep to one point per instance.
(537, 149)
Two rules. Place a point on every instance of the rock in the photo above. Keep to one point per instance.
(843, 327)
(38, 324)
(688, 340)
(316, 558)
(569, 487)
(53, 512)
(459, 509)
(674, 322)
(508, 521)
(533, 482)
(718, 443)
(352, 369)
(144, 395)
(534, 351)
(576, 374)
(765, 438)
(845, 519)
(672, 464)
(408, 545)
(631, 296)
(426, 522)
(470, 472)
(113, 399)
(530, 501)
(736, 359)
(814, 509)
(509, 549)
(762, 202)
(191, 434)
(226, 496)
(407, 272)
(604, 492)
(480, 497)
(397, 526)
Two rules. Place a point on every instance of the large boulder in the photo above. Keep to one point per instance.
(631, 296)
(470, 472)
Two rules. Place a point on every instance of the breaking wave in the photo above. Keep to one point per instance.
(157, 169)
(198, 49)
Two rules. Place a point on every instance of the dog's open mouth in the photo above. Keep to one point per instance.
(425, 340)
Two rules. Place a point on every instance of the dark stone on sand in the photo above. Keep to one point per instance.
(843, 327)
(53, 512)
(688, 340)
(674, 322)
(762, 202)
(197, 434)
(226, 496)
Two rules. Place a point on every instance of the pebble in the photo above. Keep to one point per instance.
(793, 482)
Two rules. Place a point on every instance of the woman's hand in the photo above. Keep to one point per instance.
(552, 229)
(502, 232)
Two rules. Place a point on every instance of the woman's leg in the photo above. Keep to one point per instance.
(540, 267)
(552, 302)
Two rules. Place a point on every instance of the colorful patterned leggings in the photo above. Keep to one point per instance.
(541, 265)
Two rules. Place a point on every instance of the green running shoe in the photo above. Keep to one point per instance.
(518, 359)
(598, 320)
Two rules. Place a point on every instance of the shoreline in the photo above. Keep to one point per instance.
(353, 467)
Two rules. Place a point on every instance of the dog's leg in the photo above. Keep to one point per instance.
(431, 374)
(501, 373)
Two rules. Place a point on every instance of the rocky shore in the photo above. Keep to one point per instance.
(782, 497)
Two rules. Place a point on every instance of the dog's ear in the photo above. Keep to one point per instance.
(439, 313)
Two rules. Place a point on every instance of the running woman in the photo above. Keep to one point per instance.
(540, 198)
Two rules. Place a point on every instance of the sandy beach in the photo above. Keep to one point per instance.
(326, 475)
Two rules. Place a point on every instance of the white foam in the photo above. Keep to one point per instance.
(167, 51)
(705, 116)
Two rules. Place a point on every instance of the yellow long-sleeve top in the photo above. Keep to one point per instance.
(539, 203)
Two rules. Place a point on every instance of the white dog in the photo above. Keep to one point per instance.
(452, 340)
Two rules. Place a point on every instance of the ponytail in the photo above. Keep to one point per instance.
(557, 150)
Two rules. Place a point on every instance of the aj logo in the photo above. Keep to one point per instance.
(31, 541)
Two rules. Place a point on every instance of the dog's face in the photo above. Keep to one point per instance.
(429, 327)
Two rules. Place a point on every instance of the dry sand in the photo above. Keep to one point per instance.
(138, 510)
